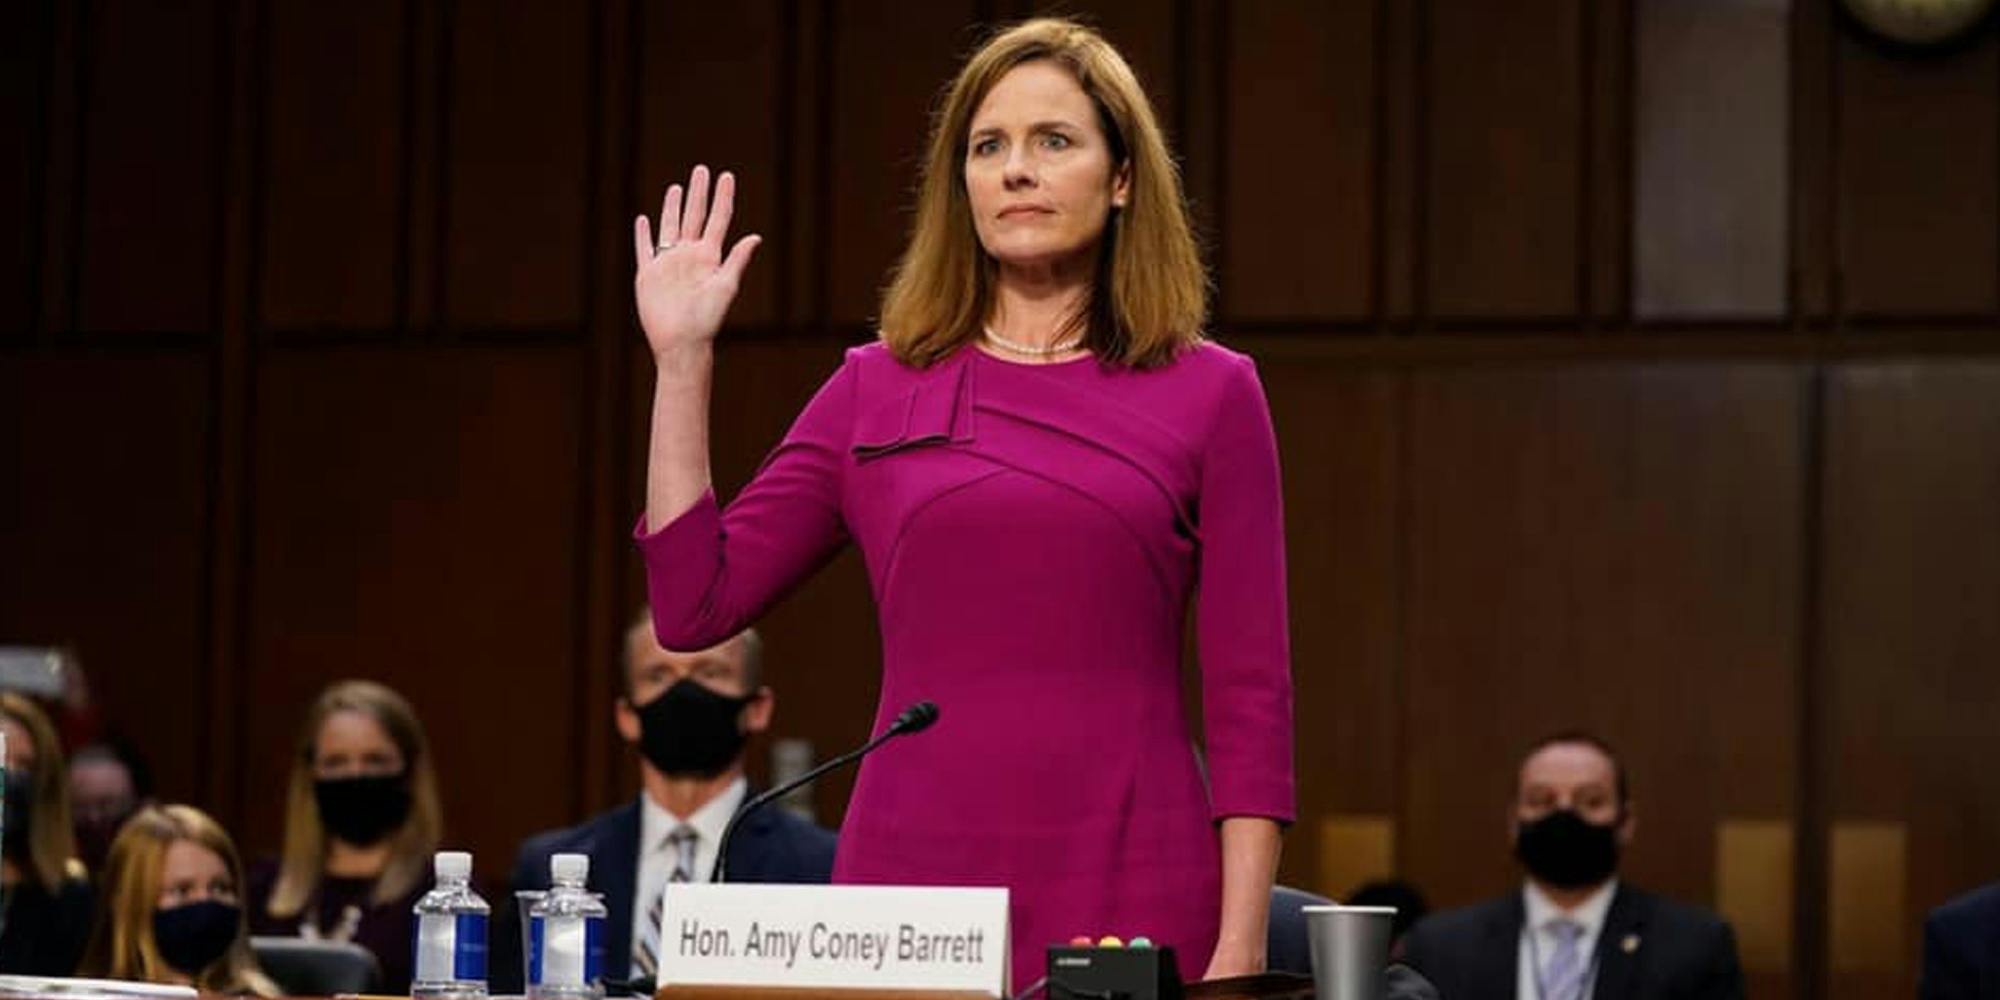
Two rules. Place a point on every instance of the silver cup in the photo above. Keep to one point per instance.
(1350, 947)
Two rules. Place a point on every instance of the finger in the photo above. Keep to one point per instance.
(725, 207)
(642, 241)
(739, 256)
(670, 216)
(697, 205)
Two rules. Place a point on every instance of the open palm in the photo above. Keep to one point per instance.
(683, 283)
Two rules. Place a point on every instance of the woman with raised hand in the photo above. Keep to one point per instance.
(1047, 467)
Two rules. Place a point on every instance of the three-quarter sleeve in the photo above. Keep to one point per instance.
(1242, 642)
(713, 571)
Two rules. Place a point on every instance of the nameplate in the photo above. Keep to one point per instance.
(835, 936)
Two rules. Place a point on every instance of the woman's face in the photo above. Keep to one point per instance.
(1038, 169)
(192, 873)
(20, 746)
(353, 745)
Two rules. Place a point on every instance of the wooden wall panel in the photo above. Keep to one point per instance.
(681, 123)
(334, 227)
(1504, 158)
(1912, 578)
(151, 169)
(103, 537)
(1300, 164)
(519, 140)
(24, 55)
(1608, 547)
(415, 521)
(1340, 445)
(890, 61)
(1919, 156)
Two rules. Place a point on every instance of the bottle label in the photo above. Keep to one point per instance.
(451, 948)
(568, 951)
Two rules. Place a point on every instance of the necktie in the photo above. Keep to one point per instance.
(1563, 978)
(646, 943)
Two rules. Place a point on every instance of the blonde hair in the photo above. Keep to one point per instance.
(303, 859)
(122, 944)
(1150, 294)
(51, 839)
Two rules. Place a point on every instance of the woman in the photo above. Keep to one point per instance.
(173, 909)
(362, 820)
(1041, 461)
(48, 897)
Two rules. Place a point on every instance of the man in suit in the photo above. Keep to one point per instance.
(1574, 931)
(1962, 948)
(688, 715)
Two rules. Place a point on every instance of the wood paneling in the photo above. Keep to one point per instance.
(102, 537)
(335, 226)
(1505, 161)
(1605, 547)
(1918, 165)
(1912, 578)
(1300, 168)
(680, 123)
(151, 178)
(415, 522)
(879, 115)
(520, 115)
(25, 50)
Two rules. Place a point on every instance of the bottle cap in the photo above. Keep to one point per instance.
(1080, 941)
(1110, 941)
(569, 867)
(452, 864)
(1141, 941)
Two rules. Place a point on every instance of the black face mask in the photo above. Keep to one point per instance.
(362, 811)
(691, 730)
(1565, 850)
(192, 936)
(20, 814)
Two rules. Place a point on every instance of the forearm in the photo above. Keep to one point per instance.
(677, 469)
(1250, 846)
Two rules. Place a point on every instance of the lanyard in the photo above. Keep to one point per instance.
(1584, 987)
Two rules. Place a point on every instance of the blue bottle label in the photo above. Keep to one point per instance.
(469, 957)
(593, 950)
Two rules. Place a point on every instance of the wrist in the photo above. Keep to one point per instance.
(689, 357)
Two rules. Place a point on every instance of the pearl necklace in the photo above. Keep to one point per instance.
(1063, 346)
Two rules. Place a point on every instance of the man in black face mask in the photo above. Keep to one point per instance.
(689, 716)
(1575, 931)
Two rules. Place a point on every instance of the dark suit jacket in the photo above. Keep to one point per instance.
(771, 846)
(1680, 952)
(1962, 948)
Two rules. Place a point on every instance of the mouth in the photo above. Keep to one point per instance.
(1021, 210)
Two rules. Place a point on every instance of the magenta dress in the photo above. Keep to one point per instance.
(1034, 536)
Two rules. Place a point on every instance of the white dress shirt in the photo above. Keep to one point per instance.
(1542, 911)
(656, 858)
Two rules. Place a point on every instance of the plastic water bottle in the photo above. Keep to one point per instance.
(566, 960)
(451, 933)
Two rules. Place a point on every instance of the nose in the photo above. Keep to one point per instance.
(1017, 173)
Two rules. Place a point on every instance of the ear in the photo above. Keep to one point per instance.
(627, 718)
(1628, 825)
(1121, 184)
(757, 714)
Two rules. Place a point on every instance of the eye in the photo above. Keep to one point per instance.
(1056, 140)
(985, 146)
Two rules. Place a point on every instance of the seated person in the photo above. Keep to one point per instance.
(107, 784)
(172, 905)
(1574, 930)
(362, 819)
(48, 897)
(1962, 948)
(688, 715)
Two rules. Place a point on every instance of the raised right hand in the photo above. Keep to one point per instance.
(683, 283)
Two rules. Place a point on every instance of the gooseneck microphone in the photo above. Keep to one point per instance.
(915, 719)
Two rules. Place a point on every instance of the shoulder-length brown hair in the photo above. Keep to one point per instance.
(1150, 293)
(303, 860)
(51, 839)
(122, 945)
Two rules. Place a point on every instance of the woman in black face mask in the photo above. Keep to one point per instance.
(172, 910)
(48, 897)
(362, 820)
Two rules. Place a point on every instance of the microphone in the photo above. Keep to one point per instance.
(914, 719)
